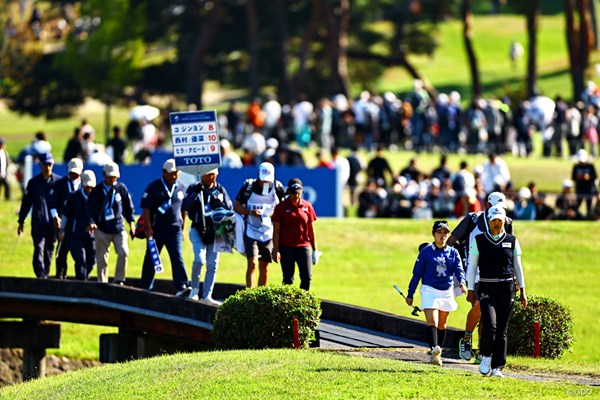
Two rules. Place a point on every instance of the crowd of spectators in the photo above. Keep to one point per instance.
(275, 132)
(416, 121)
(446, 194)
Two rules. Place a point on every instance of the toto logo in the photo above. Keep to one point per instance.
(197, 160)
(310, 194)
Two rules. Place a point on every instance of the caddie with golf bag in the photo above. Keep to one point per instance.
(435, 267)
(209, 208)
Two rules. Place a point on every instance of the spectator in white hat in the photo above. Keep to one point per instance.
(164, 221)
(109, 207)
(586, 181)
(229, 158)
(567, 204)
(206, 195)
(256, 201)
(74, 227)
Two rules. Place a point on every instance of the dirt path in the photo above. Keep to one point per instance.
(451, 360)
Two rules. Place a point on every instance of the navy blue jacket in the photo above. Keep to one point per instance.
(156, 196)
(75, 212)
(59, 193)
(118, 199)
(36, 199)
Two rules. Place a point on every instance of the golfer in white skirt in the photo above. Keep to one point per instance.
(436, 264)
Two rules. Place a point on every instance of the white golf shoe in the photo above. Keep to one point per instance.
(194, 294)
(497, 372)
(436, 355)
(210, 301)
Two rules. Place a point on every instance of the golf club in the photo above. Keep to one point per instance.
(416, 309)
(16, 244)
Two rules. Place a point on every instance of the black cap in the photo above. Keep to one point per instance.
(295, 186)
(437, 225)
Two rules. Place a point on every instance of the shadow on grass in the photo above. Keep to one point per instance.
(505, 87)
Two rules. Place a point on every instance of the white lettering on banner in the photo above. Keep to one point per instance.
(197, 160)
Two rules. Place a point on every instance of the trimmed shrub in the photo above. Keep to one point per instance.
(556, 328)
(261, 318)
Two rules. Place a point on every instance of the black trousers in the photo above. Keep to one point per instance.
(61, 257)
(290, 256)
(43, 249)
(4, 183)
(496, 300)
(83, 250)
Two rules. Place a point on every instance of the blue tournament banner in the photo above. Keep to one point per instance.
(320, 184)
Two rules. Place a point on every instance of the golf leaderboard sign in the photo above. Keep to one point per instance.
(195, 141)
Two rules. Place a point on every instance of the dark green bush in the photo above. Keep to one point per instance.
(263, 317)
(556, 328)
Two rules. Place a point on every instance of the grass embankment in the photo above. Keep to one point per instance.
(364, 258)
(279, 374)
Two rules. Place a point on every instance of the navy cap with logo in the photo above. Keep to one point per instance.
(46, 159)
(437, 225)
(295, 186)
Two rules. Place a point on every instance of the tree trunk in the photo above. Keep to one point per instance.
(586, 39)
(594, 23)
(579, 42)
(532, 15)
(309, 35)
(467, 19)
(572, 45)
(285, 85)
(252, 20)
(195, 64)
(338, 21)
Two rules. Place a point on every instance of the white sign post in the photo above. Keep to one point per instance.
(195, 141)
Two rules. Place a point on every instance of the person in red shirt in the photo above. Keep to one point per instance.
(294, 237)
(467, 204)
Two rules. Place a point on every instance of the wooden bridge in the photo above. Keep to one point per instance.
(158, 322)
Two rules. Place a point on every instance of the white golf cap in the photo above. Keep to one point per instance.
(272, 143)
(214, 171)
(582, 155)
(169, 166)
(266, 172)
(496, 212)
(497, 198)
(75, 165)
(111, 169)
(225, 143)
(567, 183)
(88, 179)
(525, 193)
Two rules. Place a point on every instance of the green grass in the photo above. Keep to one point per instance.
(492, 35)
(278, 374)
(364, 258)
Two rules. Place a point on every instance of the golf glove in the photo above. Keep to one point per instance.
(316, 254)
